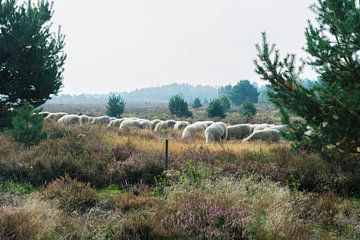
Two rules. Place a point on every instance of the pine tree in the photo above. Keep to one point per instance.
(115, 106)
(225, 102)
(247, 109)
(331, 108)
(179, 107)
(197, 103)
(243, 91)
(215, 109)
(27, 125)
(31, 56)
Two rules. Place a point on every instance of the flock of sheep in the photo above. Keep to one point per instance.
(214, 131)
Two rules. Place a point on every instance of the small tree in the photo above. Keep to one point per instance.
(248, 109)
(115, 106)
(27, 125)
(197, 103)
(215, 109)
(330, 109)
(31, 56)
(179, 107)
(225, 102)
(244, 91)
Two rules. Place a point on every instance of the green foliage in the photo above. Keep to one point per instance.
(27, 125)
(197, 103)
(247, 109)
(225, 102)
(331, 107)
(179, 107)
(215, 109)
(243, 91)
(32, 56)
(115, 106)
(16, 188)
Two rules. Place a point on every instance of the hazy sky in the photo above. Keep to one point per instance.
(121, 45)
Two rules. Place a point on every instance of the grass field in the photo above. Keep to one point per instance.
(90, 182)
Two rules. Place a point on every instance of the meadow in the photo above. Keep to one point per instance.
(93, 182)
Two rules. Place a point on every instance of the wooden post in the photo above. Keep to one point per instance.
(166, 154)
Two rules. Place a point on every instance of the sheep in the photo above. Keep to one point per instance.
(180, 125)
(103, 120)
(116, 123)
(216, 132)
(195, 128)
(263, 126)
(154, 123)
(239, 131)
(281, 128)
(55, 116)
(90, 119)
(84, 119)
(162, 125)
(267, 135)
(69, 120)
(138, 123)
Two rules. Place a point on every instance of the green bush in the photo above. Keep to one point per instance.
(197, 103)
(27, 125)
(179, 107)
(247, 109)
(215, 109)
(225, 102)
(115, 106)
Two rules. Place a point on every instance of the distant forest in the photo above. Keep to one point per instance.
(152, 95)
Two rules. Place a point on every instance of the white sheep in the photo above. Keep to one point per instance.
(216, 132)
(154, 123)
(180, 125)
(69, 120)
(103, 120)
(116, 122)
(137, 123)
(239, 131)
(55, 116)
(84, 119)
(281, 128)
(145, 124)
(263, 126)
(162, 125)
(194, 128)
(266, 135)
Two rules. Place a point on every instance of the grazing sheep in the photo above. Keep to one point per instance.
(180, 125)
(263, 126)
(281, 128)
(55, 116)
(113, 118)
(162, 125)
(70, 120)
(145, 124)
(116, 123)
(90, 119)
(84, 119)
(239, 131)
(44, 114)
(216, 132)
(195, 128)
(154, 123)
(266, 135)
(103, 120)
(129, 123)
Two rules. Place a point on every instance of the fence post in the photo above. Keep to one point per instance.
(166, 154)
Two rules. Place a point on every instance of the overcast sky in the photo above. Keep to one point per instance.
(121, 45)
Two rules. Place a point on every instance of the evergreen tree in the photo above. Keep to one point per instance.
(215, 109)
(225, 102)
(243, 91)
(331, 108)
(247, 109)
(115, 106)
(31, 56)
(197, 103)
(179, 107)
(27, 125)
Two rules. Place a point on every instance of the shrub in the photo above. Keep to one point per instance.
(71, 194)
(179, 107)
(27, 125)
(115, 106)
(215, 109)
(225, 102)
(197, 103)
(247, 109)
